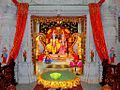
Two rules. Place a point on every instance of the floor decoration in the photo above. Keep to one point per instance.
(63, 79)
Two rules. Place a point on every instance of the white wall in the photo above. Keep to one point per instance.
(110, 13)
(7, 29)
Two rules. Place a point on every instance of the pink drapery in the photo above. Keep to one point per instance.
(97, 29)
(22, 13)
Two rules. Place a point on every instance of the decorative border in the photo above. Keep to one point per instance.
(58, 18)
(58, 84)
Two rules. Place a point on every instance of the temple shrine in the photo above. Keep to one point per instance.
(59, 45)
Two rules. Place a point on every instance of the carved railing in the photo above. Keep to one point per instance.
(7, 80)
(111, 75)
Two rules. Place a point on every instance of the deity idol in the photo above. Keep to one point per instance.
(53, 48)
(49, 46)
(53, 38)
(62, 49)
(92, 55)
(63, 45)
(47, 60)
(55, 45)
(112, 54)
(4, 55)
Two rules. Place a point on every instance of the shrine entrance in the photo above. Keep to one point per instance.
(59, 39)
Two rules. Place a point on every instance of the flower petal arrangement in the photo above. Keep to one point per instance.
(55, 75)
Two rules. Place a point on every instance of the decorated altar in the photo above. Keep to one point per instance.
(58, 47)
(58, 39)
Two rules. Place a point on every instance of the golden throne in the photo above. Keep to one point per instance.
(59, 44)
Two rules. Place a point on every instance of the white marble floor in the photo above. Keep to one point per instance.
(85, 86)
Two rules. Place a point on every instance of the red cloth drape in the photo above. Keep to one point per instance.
(97, 29)
(15, 2)
(22, 13)
(101, 2)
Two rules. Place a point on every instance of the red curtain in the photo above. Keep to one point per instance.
(22, 13)
(97, 30)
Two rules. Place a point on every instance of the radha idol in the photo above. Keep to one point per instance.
(63, 45)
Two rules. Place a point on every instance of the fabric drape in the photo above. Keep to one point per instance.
(97, 30)
(22, 13)
(15, 2)
(101, 2)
